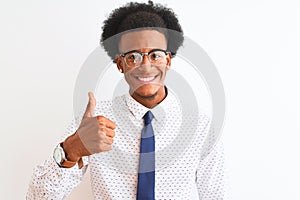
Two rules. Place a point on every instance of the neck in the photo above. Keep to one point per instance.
(153, 100)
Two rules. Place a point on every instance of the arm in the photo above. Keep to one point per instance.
(210, 175)
(49, 181)
(94, 135)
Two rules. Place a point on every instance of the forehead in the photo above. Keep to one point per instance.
(144, 39)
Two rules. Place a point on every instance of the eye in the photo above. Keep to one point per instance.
(133, 57)
(156, 55)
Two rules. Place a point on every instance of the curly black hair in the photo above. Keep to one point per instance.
(135, 15)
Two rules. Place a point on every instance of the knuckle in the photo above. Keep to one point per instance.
(100, 117)
(99, 133)
(102, 129)
(113, 133)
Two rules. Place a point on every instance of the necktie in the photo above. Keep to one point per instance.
(146, 176)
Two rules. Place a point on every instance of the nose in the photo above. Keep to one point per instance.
(145, 59)
(146, 64)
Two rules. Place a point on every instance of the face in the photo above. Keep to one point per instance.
(146, 81)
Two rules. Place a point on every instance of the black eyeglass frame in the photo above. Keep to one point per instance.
(144, 53)
(166, 52)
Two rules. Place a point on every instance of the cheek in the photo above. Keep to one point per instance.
(164, 72)
(128, 76)
(130, 79)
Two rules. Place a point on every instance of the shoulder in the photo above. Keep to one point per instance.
(106, 107)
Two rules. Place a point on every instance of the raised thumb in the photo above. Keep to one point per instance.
(89, 112)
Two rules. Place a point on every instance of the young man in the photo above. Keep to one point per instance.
(141, 124)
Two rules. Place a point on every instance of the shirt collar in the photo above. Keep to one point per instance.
(159, 111)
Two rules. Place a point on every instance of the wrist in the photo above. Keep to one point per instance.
(60, 157)
(70, 147)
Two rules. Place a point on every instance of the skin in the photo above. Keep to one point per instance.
(94, 135)
(146, 93)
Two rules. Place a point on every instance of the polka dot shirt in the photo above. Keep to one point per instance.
(181, 163)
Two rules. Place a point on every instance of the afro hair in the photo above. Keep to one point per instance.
(135, 15)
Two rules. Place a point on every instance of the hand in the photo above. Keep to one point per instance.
(94, 135)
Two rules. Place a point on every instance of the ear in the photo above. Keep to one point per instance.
(119, 63)
(169, 60)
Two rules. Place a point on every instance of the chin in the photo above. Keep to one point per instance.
(147, 91)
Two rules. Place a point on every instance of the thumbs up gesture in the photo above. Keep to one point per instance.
(94, 135)
(89, 111)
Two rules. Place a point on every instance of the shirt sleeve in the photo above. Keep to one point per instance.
(211, 179)
(49, 181)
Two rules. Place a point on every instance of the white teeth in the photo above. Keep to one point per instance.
(146, 79)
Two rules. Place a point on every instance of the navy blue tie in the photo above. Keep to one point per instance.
(146, 178)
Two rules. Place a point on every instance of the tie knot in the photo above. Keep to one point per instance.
(148, 117)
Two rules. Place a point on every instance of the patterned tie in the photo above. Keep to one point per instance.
(146, 178)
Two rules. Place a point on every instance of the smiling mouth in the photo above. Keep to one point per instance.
(146, 79)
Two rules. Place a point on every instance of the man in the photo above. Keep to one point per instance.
(141, 124)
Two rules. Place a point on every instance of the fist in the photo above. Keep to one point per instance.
(94, 135)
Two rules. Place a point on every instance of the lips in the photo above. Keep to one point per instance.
(146, 78)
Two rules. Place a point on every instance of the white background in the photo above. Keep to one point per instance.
(254, 44)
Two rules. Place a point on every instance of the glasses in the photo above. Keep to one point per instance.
(134, 58)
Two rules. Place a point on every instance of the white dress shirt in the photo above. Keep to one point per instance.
(114, 173)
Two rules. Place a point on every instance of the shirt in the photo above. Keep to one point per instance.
(114, 174)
